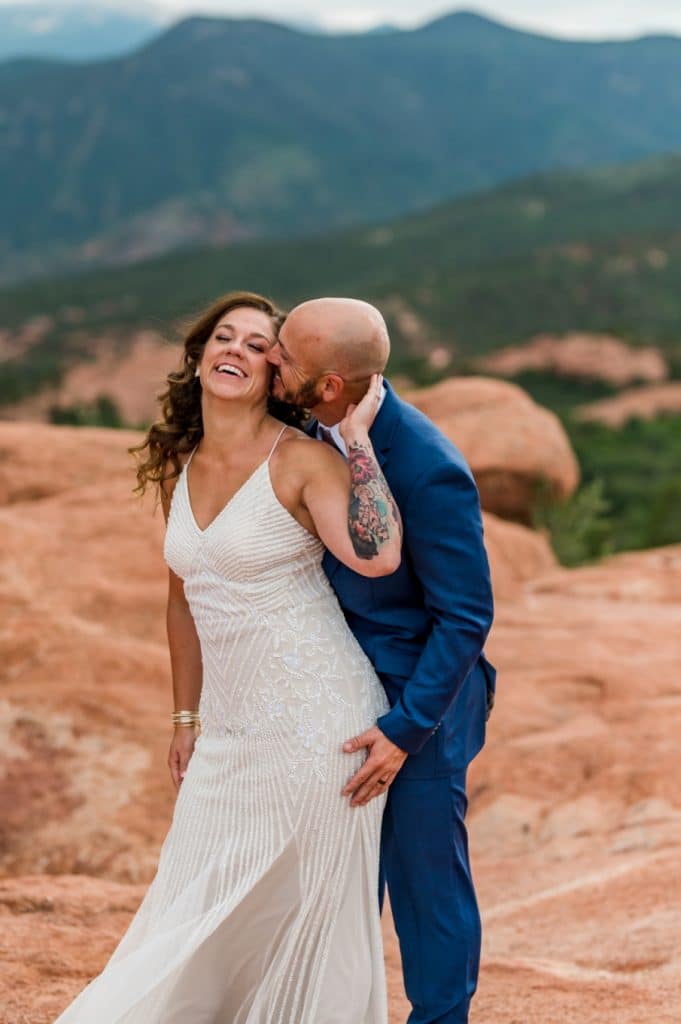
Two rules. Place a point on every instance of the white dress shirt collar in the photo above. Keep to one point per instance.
(335, 429)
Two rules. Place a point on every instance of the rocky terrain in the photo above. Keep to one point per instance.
(510, 442)
(593, 356)
(130, 375)
(643, 403)
(575, 816)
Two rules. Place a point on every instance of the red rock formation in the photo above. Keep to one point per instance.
(638, 403)
(510, 442)
(575, 816)
(130, 379)
(595, 356)
(84, 665)
(516, 555)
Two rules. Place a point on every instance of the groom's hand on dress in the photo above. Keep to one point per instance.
(383, 762)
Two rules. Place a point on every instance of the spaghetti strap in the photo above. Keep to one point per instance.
(276, 442)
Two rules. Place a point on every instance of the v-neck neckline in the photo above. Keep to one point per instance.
(185, 474)
(224, 508)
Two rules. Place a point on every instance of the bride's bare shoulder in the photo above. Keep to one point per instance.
(297, 446)
(298, 460)
(304, 458)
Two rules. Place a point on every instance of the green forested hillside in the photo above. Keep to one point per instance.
(223, 129)
(594, 251)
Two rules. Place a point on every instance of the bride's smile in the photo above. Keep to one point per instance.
(234, 362)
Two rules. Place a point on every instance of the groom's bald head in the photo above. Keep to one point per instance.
(346, 335)
(326, 353)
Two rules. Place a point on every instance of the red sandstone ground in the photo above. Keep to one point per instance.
(575, 815)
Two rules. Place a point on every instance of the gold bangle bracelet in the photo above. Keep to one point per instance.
(185, 718)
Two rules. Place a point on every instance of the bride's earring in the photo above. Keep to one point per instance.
(197, 371)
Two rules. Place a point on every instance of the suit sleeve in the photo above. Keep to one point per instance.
(444, 538)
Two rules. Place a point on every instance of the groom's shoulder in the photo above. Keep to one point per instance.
(421, 447)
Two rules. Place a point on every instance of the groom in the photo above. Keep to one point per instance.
(423, 628)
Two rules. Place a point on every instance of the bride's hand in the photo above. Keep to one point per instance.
(181, 750)
(359, 418)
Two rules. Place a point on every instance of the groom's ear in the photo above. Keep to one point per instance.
(332, 387)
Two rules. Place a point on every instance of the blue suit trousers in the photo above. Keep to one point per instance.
(425, 864)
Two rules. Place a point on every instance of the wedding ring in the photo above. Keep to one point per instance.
(383, 782)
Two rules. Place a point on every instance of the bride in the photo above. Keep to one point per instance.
(264, 906)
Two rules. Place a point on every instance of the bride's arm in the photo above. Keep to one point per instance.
(185, 649)
(350, 503)
(186, 665)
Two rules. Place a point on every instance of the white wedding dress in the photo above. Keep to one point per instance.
(264, 908)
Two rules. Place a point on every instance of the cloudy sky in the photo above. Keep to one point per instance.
(572, 18)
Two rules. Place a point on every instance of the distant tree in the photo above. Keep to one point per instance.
(103, 412)
(579, 527)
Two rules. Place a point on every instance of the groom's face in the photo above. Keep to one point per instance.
(293, 379)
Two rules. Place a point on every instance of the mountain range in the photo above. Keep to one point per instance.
(73, 31)
(222, 130)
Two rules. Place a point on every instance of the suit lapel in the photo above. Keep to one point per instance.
(383, 428)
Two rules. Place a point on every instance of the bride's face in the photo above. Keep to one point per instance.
(234, 360)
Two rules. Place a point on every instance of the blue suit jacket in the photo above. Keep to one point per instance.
(424, 627)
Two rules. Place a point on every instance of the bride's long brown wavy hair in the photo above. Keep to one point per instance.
(181, 425)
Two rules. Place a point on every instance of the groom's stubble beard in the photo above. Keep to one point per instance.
(305, 397)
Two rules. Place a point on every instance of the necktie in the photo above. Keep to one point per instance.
(327, 437)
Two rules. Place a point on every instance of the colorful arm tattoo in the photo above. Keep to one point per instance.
(373, 516)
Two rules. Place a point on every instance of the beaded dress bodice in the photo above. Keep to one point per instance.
(274, 642)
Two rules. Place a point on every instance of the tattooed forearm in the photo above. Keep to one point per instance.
(373, 516)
